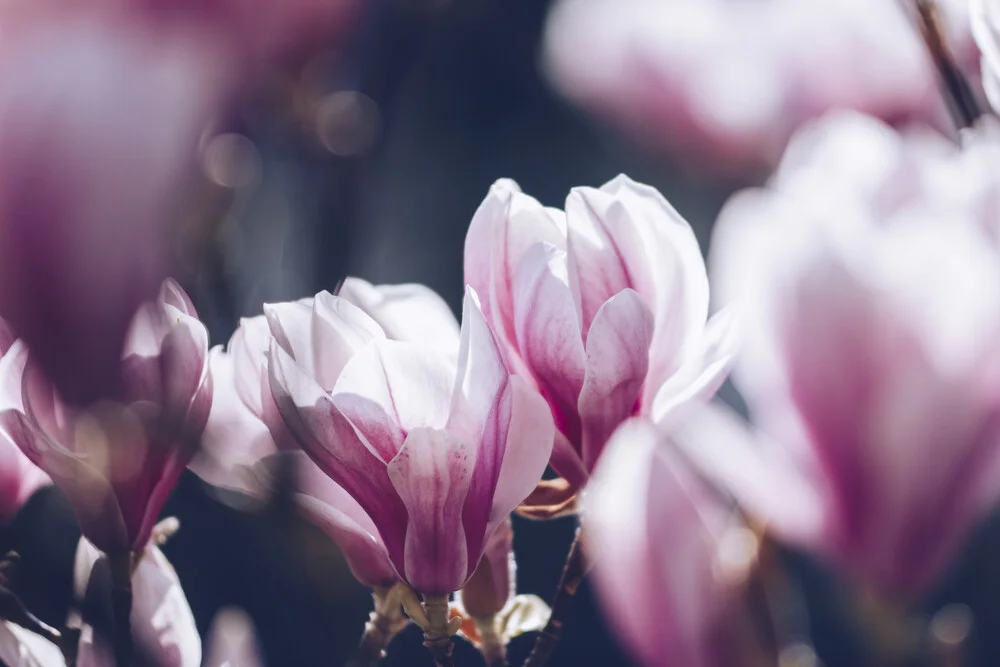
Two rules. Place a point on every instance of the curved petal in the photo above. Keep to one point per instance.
(548, 334)
(390, 387)
(247, 348)
(90, 494)
(701, 374)
(410, 312)
(290, 323)
(502, 230)
(431, 474)
(492, 584)
(617, 363)
(327, 505)
(339, 330)
(184, 370)
(232, 641)
(173, 295)
(529, 446)
(332, 442)
(21, 648)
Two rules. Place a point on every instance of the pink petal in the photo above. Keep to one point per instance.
(653, 533)
(291, 325)
(332, 442)
(527, 452)
(339, 330)
(21, 648)
(702, 372)
(502, 230)
(548, 334)
(432, 474)
(232, 641)
(92, 498)
(412, 312)
(390, 387)
(184, 369)
(247, 349)
(617, 362)
(332, 509)
(7, 337)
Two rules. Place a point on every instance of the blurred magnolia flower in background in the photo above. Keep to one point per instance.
(117, 464)
(986, 30)
(869, 292)
(728, 82)
(438, 470)
(232, 641)
(604, 308)
(670, 558)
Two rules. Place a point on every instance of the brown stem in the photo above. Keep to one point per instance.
(385, 621)
(438, 632)
(569, 583)
(121, 604)
(962, 103)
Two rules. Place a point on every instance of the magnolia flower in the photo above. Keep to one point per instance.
(163, 627)
(244, 426)
(603, 308)
(83, 229)
(669, 560)
(118, 463)
(871, 307)
(729, 81)
(986, 30)
(436, 454)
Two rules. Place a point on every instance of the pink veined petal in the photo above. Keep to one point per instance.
(529, 446)
(247, 348)
(502, 230)
(410, 312)
(431, 474)
(339, 330)
(617, 362)
(493, 583)
(391, 387)
(92, 498)
(701, 374)
(548, 334)
(333, 443)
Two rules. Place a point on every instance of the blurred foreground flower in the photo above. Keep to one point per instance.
(117, 464)
(670, 560)
(98, 127)
(729, 81)
(437, 455)
(869, 289)
(986, 30)
(604, 308)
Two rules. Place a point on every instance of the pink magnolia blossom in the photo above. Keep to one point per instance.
(244, 425)
(669, 559)
(118, 463)
(869, 290)
(604, 308)
(437, 454)
(728, 81)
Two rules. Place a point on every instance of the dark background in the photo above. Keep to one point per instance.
(461, 102)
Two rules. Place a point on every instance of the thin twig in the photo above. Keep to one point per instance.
(962, 103)
(572, 575)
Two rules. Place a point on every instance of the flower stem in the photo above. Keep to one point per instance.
(492, 644)
(437, 634)
(121, 604)
(569, 582)
(962, 103)
(385, 622)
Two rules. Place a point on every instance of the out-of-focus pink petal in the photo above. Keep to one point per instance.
(22, 648)
(412, 312)
(232, 641)
(432, 474)
(332, 442)
(617, 362)
(548, 333)
(247, 348)
(654, 532)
